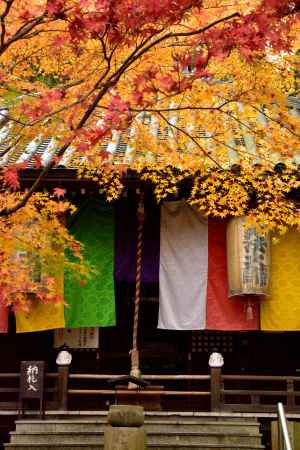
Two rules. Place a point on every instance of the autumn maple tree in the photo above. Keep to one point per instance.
(35, 251)
(195, 87)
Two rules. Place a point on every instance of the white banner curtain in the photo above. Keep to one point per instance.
(183, 267)
(193, 275)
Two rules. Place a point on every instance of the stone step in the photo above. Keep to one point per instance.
(183, 416)
(250, 428)
(203, 446)
(166, 431)
(149, 447)
(175, 437)
(211, 427)
(57, 438)
(199, 438)
(23, 426)
(150, 416)
(52, 447)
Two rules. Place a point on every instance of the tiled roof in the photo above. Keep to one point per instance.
(118, 147)
(294, 102)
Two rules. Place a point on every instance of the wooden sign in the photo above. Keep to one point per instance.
(32, 379)
(77, 338)
(32, 374)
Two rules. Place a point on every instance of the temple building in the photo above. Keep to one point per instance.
(172, 287)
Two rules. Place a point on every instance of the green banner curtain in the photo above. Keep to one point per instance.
(92, 304)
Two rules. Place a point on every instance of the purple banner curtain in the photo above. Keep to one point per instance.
(126, 241)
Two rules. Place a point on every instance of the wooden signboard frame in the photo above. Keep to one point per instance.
(32, 376)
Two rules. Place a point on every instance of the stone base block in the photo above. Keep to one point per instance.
(124, 438)
(125, 416)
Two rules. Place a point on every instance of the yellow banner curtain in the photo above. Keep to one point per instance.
(44, 316)
(281, 310)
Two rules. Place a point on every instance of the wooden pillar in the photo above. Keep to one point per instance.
(62, 387)
(215, 388)
(290, 398)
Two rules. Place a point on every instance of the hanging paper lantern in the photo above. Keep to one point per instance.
(248, 259)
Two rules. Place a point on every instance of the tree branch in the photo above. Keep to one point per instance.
(275, 121)
(183, 108)
(26, 28)
(2, 19)
(181, 130)
(139, 51)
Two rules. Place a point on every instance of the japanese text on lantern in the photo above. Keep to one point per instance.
(255, 268)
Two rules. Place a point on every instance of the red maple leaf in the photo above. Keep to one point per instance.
(59, 40)
(55, 7)
(11, 176)
(54, 94)
(59, 192)
(25, 15)
(37, 162)
(138, 97)
(167, 83)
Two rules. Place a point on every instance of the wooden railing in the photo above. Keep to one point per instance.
(226, 392)
(9, 390)
(259, 393)
(214, 391)
(188, 378)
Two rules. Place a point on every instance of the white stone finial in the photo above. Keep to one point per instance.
(64, 358)
(216, 360)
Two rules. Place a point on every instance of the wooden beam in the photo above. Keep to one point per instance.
(136, 392)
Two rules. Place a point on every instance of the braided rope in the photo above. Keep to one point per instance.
(135, 366)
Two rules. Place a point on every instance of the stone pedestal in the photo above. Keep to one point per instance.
(125, 430)
(126, 438)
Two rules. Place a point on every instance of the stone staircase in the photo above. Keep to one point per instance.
(165, 431)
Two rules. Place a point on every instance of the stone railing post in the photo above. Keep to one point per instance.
(125, 428)
(63, 362)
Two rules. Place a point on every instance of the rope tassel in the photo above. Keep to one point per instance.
(249, 311)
